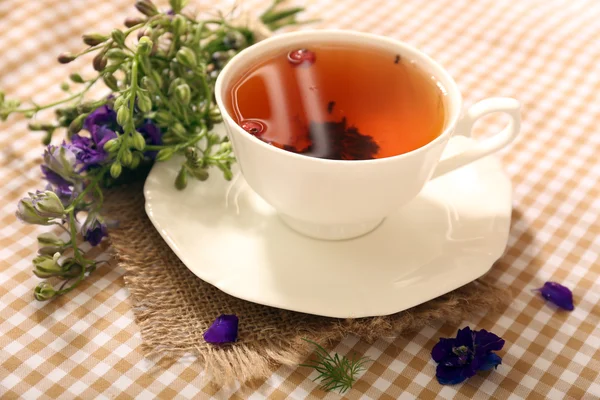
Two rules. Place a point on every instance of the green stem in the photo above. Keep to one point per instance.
(90, 186)
(130, 128)
(73, 228)
(56, 103)
(180, 146)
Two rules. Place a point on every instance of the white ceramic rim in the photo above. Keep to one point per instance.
(248, 55)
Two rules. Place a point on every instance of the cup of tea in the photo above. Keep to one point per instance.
(337, 129)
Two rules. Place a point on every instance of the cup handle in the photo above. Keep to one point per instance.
(490, 145)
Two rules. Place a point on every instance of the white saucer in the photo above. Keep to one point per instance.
(450, 235)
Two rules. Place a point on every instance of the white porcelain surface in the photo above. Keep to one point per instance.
(449, 235)
(335, 199)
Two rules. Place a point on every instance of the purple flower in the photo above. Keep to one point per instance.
(90, 151)
(460, 358)
(102, 126)
(557, 294)
(61, 186)
(94, 229)
(101, 116)
(223, 330)
(59, 170)
(152, 134)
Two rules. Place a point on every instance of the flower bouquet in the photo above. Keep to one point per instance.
(160, 71)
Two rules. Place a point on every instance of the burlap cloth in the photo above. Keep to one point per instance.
(173, 307)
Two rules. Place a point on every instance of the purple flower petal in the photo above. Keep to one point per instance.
(94, 229)
(103, 115)
(53, 177)
(557, 294)
(464, 337)
(487, 341)
(223, 330)
(90, 153)
(101, 135)
(490, 361)
(451, 375)
(442, 349)
(153, 136)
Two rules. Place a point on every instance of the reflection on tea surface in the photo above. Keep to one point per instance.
(339, 102)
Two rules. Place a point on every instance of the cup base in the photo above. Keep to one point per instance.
(330, 232)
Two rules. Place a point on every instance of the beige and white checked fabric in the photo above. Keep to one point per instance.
(544, 52)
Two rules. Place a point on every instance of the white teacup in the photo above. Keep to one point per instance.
(341, 199)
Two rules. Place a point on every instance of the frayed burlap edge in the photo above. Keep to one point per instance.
(173, 307)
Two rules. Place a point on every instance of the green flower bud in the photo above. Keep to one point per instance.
(178, 25)
(46, 266)
(225, 147)
(118, 37)
(47, 204)
(99, 62)
(215, 114)
(157, 78)
(75, 77)
(177, 5)
(36, 126)
(123, 115)
(165, 154)
(119, 102)
(66, 58)
(147, 83)
(116, 54)
(191, 153)
(87, 107)
(146, 7)
(44, 291)
(183, 94)
(174, 83)
(139, 143)
(200, 173)
(143, 102)
(178, 129)
(186, 57)
(133, 21)
(26, 213)
(137, 158)
(112, 145)
(213, 138)
(94, 39)
(116, 169)
(29, 114)
(163, 117)
(76, 125)
(50, 244)
(181, 180)
(227, 174)
(111, 82)
(144, 45)
(48, 138)
(64, 86)
(126, 158)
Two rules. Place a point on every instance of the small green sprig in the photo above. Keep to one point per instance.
(335, 372)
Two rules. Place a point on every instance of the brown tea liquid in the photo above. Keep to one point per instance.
(339, 102)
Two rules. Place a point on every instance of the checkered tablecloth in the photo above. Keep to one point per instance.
(545, 53)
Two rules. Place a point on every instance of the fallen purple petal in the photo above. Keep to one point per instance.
(490, 361)
(557, 294)
(223, 330)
